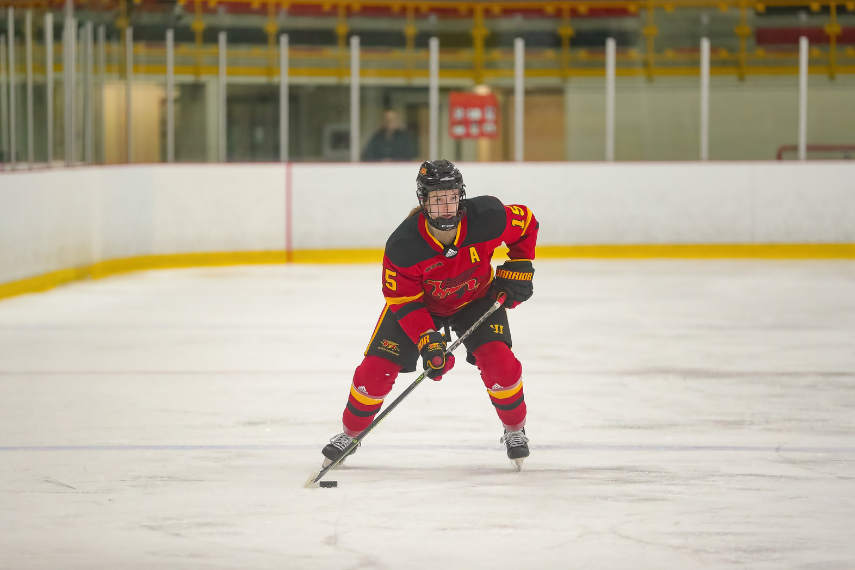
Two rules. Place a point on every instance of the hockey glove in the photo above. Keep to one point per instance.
(432, 349)
(514, 279)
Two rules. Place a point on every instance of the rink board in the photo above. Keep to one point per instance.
(61, 225)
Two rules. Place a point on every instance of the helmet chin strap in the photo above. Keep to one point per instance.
(436, 223)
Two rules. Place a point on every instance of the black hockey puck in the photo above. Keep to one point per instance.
(329, 484)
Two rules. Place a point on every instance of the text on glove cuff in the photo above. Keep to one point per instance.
(515, 275)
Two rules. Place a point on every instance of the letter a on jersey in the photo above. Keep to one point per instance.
(474, 255)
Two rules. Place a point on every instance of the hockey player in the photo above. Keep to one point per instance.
(436, 275)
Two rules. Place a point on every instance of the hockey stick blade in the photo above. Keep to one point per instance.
(316, 477)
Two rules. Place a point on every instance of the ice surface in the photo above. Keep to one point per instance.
(682, 414)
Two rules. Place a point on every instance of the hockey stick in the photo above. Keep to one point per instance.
(315, 477)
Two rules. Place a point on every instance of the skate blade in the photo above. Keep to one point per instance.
(310, 482)
(518, 463)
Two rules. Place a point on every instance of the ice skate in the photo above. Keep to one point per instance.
(516, 443)
(336, 447)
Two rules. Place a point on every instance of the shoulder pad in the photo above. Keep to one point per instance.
(487, 219)
(406, 246)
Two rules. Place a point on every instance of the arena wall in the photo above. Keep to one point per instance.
(58, 225)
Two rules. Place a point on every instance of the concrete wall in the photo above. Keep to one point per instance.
(52, 220)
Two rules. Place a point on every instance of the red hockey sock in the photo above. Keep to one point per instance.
(372, 381)
(501, 373)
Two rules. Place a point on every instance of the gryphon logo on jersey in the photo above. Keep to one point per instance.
(460, 284)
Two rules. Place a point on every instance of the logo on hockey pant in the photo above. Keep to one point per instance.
(460, 285)
(389, 346)
(498, 329)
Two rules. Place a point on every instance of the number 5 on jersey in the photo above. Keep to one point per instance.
(390, 281)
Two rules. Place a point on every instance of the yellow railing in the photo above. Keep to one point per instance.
(479, 63)
(150, 60)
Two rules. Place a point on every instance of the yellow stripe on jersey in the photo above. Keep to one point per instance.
(507, 392)
(362, 398)
(377, 328)
(436, 241)
(402, 300)
(439, 243)
(527, 220)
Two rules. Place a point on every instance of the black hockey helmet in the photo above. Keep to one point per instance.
(440, 175)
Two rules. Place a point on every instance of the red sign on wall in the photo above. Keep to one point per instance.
(472, 116)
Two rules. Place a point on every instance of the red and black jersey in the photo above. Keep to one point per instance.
(418, 277)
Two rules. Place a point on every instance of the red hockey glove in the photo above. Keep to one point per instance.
(432, 349)
(514, 279)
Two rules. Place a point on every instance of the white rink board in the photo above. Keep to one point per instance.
(54, 220)
(218, 208)
(350, 206)
(59, 219)
(46, 221)
(631, 203)
(804, 203)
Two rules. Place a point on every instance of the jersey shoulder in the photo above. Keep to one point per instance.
(486, 219)
(406, 247)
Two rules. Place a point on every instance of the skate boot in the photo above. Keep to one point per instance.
(336, 447)
(516, 443)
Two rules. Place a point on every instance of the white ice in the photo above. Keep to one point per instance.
(682, 414)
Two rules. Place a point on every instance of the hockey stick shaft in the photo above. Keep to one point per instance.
(357, 440)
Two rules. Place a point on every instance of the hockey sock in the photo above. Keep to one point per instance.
(501, 373)
(372, 381)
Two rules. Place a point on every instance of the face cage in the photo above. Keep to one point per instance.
(444, 224)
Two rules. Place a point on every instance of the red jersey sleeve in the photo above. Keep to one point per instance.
(402, 288)
(520, 233)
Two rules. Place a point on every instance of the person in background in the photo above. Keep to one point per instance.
(390, 142)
